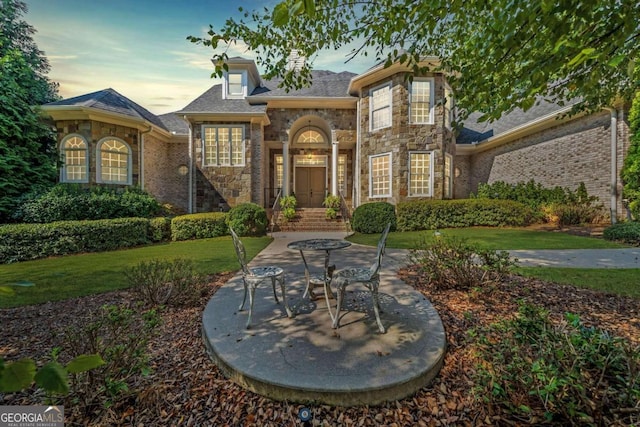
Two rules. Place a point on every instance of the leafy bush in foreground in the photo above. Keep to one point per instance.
(372, 218)
(627, 232)
(248, 219)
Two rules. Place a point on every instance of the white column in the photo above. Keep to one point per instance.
(285, 168)
(334, 163)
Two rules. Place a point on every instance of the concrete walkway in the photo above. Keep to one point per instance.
(579, 258)
(304, 359)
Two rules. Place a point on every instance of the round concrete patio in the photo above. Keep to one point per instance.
(303, 359)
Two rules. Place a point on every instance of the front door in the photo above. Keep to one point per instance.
(310, 186)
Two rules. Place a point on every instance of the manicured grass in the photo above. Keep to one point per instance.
(492, 238)
(618, 281)
(77, 275)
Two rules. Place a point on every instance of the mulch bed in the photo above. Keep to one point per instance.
(186, 389)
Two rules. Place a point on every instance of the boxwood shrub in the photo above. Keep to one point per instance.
(373, 217)
(160, 229)
(627, 232)
(199, 226)
(432, 214)
(22, 242)
(248, 219)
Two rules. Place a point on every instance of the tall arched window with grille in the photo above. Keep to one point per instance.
(74, 155)
(114, 161)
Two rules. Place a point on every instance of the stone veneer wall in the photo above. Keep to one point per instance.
(401, 138)
(564, 155)
(93, 132)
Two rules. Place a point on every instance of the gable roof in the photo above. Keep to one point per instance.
(111, 101)
(324, 84)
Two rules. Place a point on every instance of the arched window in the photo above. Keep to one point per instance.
(114, 162)
(310, 136)
(74, 153)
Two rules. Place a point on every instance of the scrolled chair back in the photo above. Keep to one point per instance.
(382, 244)
(240, 251)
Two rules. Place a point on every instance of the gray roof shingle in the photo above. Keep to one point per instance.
(174, 123)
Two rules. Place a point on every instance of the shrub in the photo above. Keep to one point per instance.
(160, 229)
(248, 219)
(160, 282)
(288, 206)
(21, 242)
(199, 226)
(556, 374)
(627, 232)
(432, 214)
(452, 263)
(69, 202)
(332, 203)
(372, 218)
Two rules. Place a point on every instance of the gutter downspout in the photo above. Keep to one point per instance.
(190, 184)
(614, 164)
(141, 158)
(356, 171)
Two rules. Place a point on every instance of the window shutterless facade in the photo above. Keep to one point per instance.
(75, 159)
(114, 161)
(223, 145)
(421, 173)
(380, 107)
(421, 109)
(380, 175)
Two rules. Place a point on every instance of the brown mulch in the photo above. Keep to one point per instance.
(187, 389)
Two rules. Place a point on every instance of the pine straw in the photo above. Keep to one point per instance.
(187, 389)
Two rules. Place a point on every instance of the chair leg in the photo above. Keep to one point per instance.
(244, 296)
(273, 287)
(376, 307)
(252, 291)
(339, 299)
(290, 313)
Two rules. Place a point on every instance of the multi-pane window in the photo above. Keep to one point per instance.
(278, 171)
(115, 161)
(380, 107)
(421, 108)
(235, 87)
(223, 145)
(420, 173)
(380, 175)
(311, 137)
(342, 174)
(448, 176)
(74, 151)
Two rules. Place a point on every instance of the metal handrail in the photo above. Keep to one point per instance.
(275, 210)
(345, 211)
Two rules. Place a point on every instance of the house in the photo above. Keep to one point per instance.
(375, 136)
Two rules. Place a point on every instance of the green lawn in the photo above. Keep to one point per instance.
(77, 275)
(492, 238)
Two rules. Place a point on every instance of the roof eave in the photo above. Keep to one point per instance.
(226, 116)
(380, 72)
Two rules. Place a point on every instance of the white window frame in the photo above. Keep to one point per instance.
(217, 128)
(342, 174)
(99, 154)
(389, 175)
(448, 177)
(65, 166)
(430, 119)
(388, 106)
(429, 192)
(227, 86)
(278, 175)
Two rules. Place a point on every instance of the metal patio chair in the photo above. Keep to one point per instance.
(369, 277)
(253, 276)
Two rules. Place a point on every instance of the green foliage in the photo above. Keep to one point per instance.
(21, 242)
(560, 374)
(499, 57)
(248, 219)
(288, 205)
(160, 229)
(433, 214)
(27, 145)
(630, 173)
(52, 377)
(332, 203)
(452, 263)
(121, 335)
(627, 232)
(160, 282)
(373, 217)
(72, 202)
(199, 226)
(330, 213)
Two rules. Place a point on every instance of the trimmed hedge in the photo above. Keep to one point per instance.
(22, 242)
(627, 232)
(372, 218)
(199, 226)
(248, 219)
(160, 229)
(432, 214)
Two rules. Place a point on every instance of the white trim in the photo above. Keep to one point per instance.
(371, 157)
(431, 81)
(389, 105)
(449, 183)
(226, 94)
(99, 161)
(61, 151)
(430, 184)
(217, 146)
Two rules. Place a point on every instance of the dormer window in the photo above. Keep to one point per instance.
(235, 85)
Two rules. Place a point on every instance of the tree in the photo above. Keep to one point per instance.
(501, 54)
(631, 169)
(27, 144)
